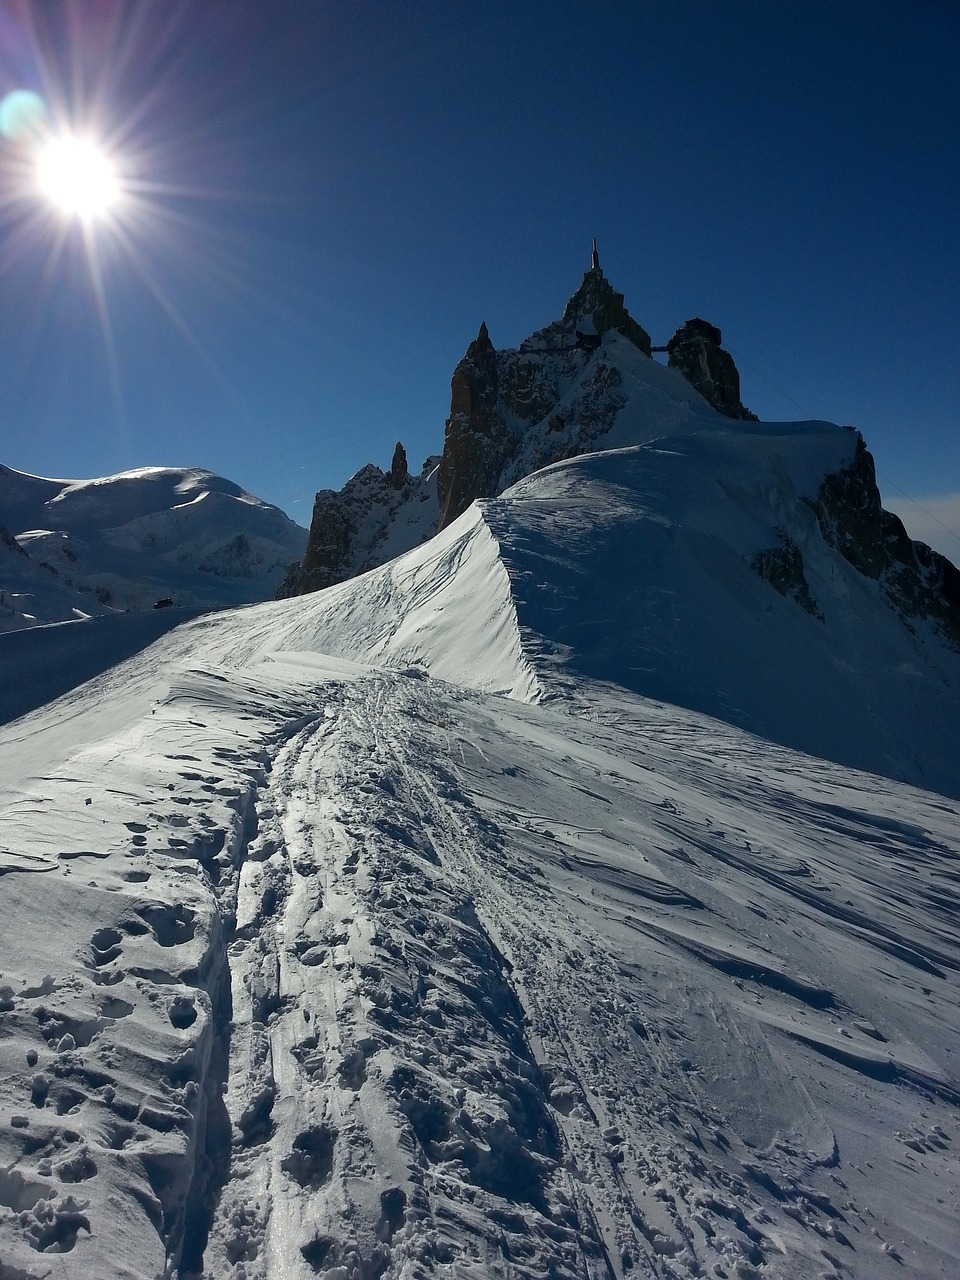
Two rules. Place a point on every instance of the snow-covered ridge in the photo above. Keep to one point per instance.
(445, 607)
(125, 541)
(649, 568)
(642, 568)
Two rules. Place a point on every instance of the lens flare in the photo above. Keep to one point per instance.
(77, 177)
(23, 115)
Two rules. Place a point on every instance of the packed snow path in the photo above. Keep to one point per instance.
(352, 973)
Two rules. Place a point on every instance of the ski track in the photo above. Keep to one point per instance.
(358, 1006)
(636, 1168)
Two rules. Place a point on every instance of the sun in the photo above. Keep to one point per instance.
(78, 177)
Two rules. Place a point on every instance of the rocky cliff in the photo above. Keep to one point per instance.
(512, 411)
(478, 441)
(374, 517)
(696, 351)
(917, 582)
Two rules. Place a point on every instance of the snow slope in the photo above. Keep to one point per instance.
(125, 541)
(442, 923)
(635, 567)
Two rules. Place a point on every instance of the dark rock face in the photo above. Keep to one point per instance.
(8, 540)
(598, 304)
(399, 475)
(783, 568)
(499, 399)
(696, 352)
(350, 531)
(331, 532)
(917, 582)
(595, 309)
(505, 421)
(477, 438)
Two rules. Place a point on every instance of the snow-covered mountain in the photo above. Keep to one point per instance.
(512, 412)
(571, 897)
(760, 579)
(451, 923)
(74, 549)
(587, 382)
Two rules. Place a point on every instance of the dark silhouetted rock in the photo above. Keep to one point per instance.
(510, 414)
(783, 568)
(696, 351)
(9, 541)
(506, 417)
(596, 308)
(916, 581)
(399, 475)
(331, 532)
(476, 440)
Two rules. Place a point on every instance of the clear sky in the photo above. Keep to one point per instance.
(324, 199)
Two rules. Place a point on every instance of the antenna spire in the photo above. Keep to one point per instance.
(595, 260)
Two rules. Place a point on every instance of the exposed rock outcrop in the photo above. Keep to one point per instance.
(506, 416)
(477, 440)
(511, 412)
(595, 309)
(916, 581)
(9, 541)
(374, 517)
(783, 568)
(331, 534)
(399, 475)
(696, 351)
(596, 306)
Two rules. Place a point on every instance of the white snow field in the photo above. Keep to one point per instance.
(482, 916)
(86, 548)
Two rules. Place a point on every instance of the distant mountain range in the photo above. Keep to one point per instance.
(81, 548)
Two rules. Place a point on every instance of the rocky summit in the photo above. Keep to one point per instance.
(585, 383)
(696, 351)
(512, 412)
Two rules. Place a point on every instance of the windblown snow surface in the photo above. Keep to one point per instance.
(483, 917)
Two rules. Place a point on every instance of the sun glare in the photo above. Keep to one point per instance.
(76, 176)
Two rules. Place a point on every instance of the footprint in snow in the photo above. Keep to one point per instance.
(310, 1163)
(182, 1012)
(105, 945)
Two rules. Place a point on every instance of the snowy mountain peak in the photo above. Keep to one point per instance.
(744, 549)
(511, 411)
(584, 382)
(123, 542)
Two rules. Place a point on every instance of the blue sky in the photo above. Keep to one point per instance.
(330, 197)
